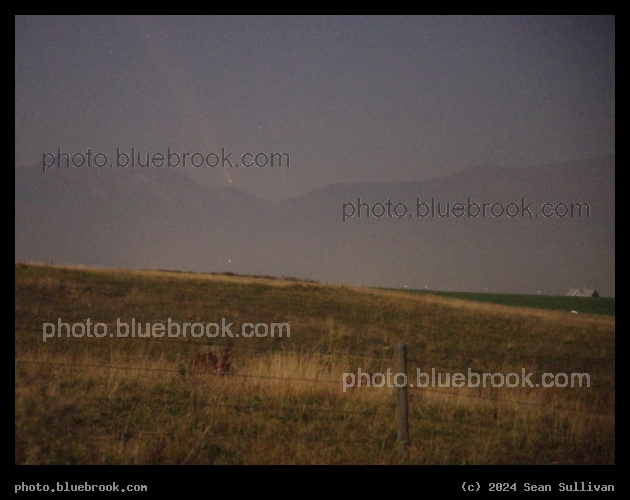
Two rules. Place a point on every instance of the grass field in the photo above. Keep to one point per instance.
(583, 305)
(280, 400)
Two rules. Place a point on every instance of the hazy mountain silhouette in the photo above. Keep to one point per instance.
(162, 219)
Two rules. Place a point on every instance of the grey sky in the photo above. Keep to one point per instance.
(350, 99)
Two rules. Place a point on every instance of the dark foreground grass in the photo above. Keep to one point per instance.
(133, 400)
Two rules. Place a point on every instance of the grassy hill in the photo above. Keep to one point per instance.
(258, 399)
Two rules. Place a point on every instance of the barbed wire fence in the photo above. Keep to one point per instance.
(402, 394)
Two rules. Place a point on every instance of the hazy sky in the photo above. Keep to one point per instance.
(350, 99)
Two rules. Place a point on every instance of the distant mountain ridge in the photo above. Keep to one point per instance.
(163, 219)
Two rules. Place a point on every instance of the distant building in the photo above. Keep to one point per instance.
(583, 292)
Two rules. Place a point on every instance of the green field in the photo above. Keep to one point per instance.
(583, 305)
(112, 399)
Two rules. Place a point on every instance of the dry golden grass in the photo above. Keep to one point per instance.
(179, 275)
(141, 401)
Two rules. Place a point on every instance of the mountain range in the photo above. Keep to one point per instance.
(162, 219)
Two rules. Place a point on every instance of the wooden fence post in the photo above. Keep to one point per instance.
(402, 404)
